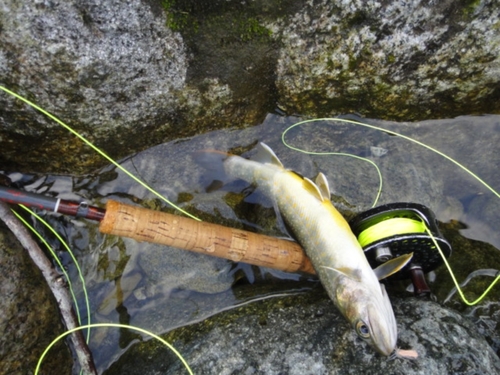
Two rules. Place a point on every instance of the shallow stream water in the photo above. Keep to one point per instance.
(160, 288)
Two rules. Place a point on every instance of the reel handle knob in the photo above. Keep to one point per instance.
(420, 287)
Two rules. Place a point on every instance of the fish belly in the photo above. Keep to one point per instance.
(319, 228)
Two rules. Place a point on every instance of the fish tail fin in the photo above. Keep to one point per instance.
(213, 162)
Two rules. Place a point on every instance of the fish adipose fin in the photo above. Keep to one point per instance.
(392, 266)
(267, 156)
(312, 188)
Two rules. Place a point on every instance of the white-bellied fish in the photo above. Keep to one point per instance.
(329, 242)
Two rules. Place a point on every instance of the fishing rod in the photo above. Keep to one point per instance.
(158, 227)
(43, 202)
(384, 232)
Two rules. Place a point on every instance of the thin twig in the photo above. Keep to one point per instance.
(56, 284)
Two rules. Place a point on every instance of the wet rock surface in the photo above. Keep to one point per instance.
(29, 318)
(132, 75)
(304, 334)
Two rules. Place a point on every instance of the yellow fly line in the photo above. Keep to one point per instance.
(378, 231)
(389, 228)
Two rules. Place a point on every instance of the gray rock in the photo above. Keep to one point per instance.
(305, 335)
(29, 318)
(116, 73)
(486, 316)
(170, 267)
(132, 75)
(111, 70)
(390, 59)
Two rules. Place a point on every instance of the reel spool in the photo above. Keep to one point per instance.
(395, 229)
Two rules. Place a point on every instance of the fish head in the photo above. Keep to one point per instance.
(369, 310)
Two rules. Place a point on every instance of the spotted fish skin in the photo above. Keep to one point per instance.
(328, 241)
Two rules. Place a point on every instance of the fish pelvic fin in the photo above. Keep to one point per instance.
(266, 155)
(392, 266)
(353, 274)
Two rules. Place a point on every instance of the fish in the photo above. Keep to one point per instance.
(328, 241)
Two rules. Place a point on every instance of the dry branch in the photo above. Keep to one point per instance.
(56, 284)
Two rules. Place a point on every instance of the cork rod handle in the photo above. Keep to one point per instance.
(212, 239)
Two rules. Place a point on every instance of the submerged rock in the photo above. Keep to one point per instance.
(304, 334)
(29, 318)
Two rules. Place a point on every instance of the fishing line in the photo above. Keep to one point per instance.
(388, 132)
(114, 325)
(391, 226)
(99, 151)
(112, 161)
(388, 228)
(459, 289)
(379, 191)
(87, 326)
(56, 258)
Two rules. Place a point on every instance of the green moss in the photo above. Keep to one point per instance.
(184, 197)
(177, 19)
(113, 268)
(353, 63)
(181, 18)
(357, 19)
(469, 6)
(250, 28)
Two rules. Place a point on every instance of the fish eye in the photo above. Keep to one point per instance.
(362, 330)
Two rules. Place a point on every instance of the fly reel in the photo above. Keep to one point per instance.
(395, 229)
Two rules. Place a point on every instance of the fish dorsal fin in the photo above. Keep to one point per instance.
(312, 188)
(392, 266)
(353, 274)
(322, 184)
(267, 156)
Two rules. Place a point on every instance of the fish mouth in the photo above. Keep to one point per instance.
(387, 351)
(384, 347)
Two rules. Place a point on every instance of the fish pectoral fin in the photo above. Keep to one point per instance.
(281, 223)
(312, 188)
(322, 184)
(266, 155)
(392, 266)
(350, 273)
